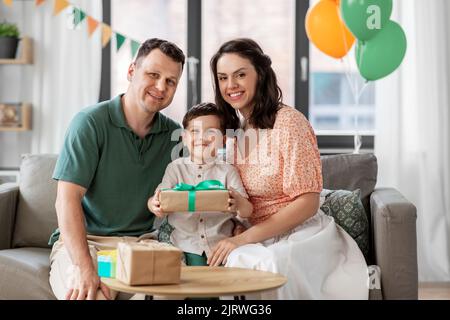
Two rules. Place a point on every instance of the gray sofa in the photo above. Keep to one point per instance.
(27, 218)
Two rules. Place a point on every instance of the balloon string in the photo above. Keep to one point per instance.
(357, 137)
(347, 67)
(347, 75)
(356, 92)
(366, 83)
(357, 97)
(354, 87)
(359, 92)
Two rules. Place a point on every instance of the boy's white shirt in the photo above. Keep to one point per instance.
(197, 232)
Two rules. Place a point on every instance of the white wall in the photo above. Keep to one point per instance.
(64, 78)
(16, 85)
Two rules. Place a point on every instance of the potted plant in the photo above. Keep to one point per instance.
(9, 40)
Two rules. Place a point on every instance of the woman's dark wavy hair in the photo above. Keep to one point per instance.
(268, 95)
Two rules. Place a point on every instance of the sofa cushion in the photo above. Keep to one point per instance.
(347, 210)
(8, 203)
(36, 214)
(350, 172)
(24, 274)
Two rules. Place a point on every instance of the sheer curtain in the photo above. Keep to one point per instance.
(66, 76)
(413, 136)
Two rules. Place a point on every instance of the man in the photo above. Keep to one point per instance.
(114, 156)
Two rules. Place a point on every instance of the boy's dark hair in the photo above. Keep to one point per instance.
(204, 109)
(168, 48)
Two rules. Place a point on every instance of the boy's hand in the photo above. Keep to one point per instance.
(155, 206)
(234, 201)
(238, 204)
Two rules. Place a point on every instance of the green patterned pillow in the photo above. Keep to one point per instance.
(165, 231)
(348, 211)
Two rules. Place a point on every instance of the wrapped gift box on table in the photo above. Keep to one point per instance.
(209, 195)
(148, 262)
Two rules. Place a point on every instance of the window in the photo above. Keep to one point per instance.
(331, 96)
(142, 20)
(268, 22)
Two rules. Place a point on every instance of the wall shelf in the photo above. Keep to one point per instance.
(26, 53)
(25, 120)
(24, 56)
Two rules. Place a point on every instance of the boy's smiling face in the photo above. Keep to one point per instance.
(203, 138)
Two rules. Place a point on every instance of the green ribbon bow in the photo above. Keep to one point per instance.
(202, 186)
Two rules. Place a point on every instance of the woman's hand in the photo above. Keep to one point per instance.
(222, 250)
(238, 204)
(155, 206)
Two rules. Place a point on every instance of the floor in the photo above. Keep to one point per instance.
(434, 291)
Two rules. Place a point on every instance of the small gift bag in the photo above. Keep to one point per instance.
(148, 262)
(208, 195)
(106, 263)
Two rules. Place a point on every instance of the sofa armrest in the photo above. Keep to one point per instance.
(395, 243)
(9, 193)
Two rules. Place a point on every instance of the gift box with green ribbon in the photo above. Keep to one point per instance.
(208, 195)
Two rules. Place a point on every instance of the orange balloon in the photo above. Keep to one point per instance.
(338, 2)
(327, 31)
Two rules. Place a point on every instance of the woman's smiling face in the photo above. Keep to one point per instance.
(237, 80)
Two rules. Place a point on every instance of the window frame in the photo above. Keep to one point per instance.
(105, 80)
(194, 45)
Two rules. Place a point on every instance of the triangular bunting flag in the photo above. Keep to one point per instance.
(8, 2)
(39, 2)
(106, 34)
(134, 47)
(92, 25)
(78, 16)
(120, 39)
(60, 5)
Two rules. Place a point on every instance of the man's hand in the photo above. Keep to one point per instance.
(155, 206)
(86, 284)
(222, 250)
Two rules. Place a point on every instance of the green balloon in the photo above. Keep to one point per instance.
(381, 55)
(365, 18)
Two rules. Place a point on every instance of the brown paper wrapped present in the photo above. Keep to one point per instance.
(148, 262)
(208, 200)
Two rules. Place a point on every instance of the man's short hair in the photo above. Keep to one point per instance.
(168, 48)
(203, 109)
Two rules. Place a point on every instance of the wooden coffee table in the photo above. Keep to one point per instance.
(201, 282)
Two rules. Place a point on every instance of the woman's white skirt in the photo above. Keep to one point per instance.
(319, 259)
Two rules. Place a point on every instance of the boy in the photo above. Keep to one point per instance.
(198, 233)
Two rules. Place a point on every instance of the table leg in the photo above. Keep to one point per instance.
(239, 297)
(147, 297)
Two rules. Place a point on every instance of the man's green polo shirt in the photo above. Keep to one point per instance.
(119, 170)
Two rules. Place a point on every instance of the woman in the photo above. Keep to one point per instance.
(281, 171)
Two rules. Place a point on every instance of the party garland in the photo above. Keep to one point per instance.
(92, 24)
